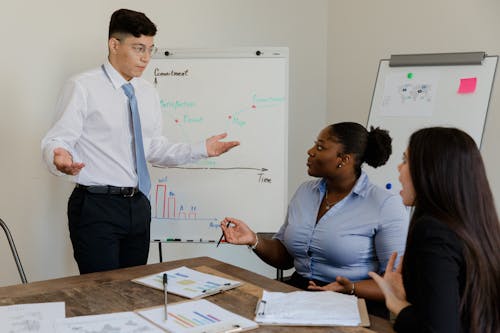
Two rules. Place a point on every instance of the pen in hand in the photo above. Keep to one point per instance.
(165, 283)
(222, 236)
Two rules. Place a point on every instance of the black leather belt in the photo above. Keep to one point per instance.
(108, 189)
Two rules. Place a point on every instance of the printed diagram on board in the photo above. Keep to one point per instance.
(409, 94)
(412, 93)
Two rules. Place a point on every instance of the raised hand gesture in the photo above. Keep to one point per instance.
(392, 285)
(64, 162)
(215, 147)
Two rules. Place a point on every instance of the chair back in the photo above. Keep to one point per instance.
(14, 251)
(269, 235)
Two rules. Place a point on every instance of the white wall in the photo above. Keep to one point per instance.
(45, 42)
(360, 33)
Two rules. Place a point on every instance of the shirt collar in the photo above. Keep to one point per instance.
(360, 188)
(116, 78)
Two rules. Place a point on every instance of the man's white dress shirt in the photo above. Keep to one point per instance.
(94, 126)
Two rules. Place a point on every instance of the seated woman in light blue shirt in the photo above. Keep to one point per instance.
(340, 226)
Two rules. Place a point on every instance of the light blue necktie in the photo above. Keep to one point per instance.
(140, 158)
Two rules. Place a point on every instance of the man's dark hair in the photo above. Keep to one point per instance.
(126, 21)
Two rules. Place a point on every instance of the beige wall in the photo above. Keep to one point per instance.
(335, 47)
(360, 33)
(45, 42)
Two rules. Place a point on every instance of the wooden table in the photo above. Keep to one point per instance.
(112, 291)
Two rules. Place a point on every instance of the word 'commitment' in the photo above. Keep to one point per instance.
(157, 72)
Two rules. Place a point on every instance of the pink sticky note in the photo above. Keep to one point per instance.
(467, 86)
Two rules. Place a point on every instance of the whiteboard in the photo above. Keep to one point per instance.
(411, 97)
(243, 92)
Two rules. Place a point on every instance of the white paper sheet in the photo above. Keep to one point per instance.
(188, 282)
(410, 94)
(324, 308)
(119, 322)
(33, 318)
(197, 316)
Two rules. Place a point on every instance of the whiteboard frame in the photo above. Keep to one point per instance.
(207, 53)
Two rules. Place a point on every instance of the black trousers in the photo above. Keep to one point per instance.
(108, 231)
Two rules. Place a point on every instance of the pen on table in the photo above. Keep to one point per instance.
(165, 283)
(222, 236)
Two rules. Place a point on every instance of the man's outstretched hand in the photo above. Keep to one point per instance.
(215, 147)
(64, 162)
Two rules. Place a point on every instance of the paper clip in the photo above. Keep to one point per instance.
(212, 291)
(261, 308)
(236, 328)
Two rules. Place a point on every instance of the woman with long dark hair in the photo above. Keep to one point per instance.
(449, 280)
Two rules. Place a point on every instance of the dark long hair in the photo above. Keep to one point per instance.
(373, 147)
(450, 184)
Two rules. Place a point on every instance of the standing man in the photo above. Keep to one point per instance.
(109, 126)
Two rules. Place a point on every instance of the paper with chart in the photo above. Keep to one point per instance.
(197, 316)
(33, 318)
(325, 308)
(409, 93)
(188, 282)
(120, 322)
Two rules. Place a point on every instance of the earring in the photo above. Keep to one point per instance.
(339, 166)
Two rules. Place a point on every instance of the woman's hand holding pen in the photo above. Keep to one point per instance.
(239, 233)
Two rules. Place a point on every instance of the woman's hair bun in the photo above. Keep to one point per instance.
(378, 147)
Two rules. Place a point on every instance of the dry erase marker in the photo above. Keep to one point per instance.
(222, 236)
(165, 283)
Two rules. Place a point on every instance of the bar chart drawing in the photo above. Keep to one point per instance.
(193, 319)
(166, 206)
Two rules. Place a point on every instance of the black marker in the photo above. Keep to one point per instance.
(222, 236)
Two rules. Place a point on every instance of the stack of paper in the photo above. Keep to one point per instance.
(325, 308)
(189, 283)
